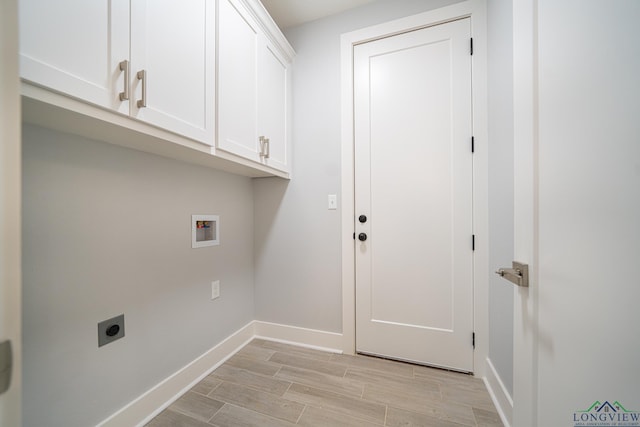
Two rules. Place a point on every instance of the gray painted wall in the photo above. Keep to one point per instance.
(107, 231)
(298, 260)
(500, 89)
(86, 258)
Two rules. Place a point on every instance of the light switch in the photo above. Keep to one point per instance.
(333, 202)
(215, 289)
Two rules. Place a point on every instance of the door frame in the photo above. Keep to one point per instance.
(525, 151)
(476, 11)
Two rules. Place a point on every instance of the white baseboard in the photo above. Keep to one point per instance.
(148, 405)
(499, 394)
(151, 403)
(310, 338)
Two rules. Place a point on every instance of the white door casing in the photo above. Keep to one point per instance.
(413, 166)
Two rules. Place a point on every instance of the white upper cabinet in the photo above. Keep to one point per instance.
(238, 39)
(81, 49)
(75, 47)
(253, 85)
(273, 104)
(159, 76)
(173, 55)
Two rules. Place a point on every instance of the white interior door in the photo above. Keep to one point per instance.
(413, 183)
(577, 174)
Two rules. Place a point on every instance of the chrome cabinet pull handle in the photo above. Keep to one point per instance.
(268, 148)
(124, 66)
(264, 147)
(142, 75)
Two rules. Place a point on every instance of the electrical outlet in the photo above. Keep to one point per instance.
(110, 330)
(215, 289)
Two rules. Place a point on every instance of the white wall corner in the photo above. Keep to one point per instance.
(302, 337)
(499, 394)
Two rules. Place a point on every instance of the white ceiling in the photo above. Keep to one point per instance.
(289, 13)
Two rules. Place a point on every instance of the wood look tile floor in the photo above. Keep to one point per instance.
(274, 385)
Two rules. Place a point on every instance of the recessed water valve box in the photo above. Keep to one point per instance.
(205, 230)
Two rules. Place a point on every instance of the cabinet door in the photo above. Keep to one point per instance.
(75, 47)
(237, 81)
(173, 42)
(273, 88)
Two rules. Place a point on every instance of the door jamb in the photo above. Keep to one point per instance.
(525, 150)
(476, 10)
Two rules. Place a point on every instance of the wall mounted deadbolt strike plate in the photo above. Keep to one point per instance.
(518, 274)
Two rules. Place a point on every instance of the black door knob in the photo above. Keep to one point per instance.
(362, 218)
(362, 237)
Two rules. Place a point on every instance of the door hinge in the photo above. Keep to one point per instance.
(473, 144)
(473, 242)
(473, 339)
(471, 43)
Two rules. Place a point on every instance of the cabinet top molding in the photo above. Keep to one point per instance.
(271, 29)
